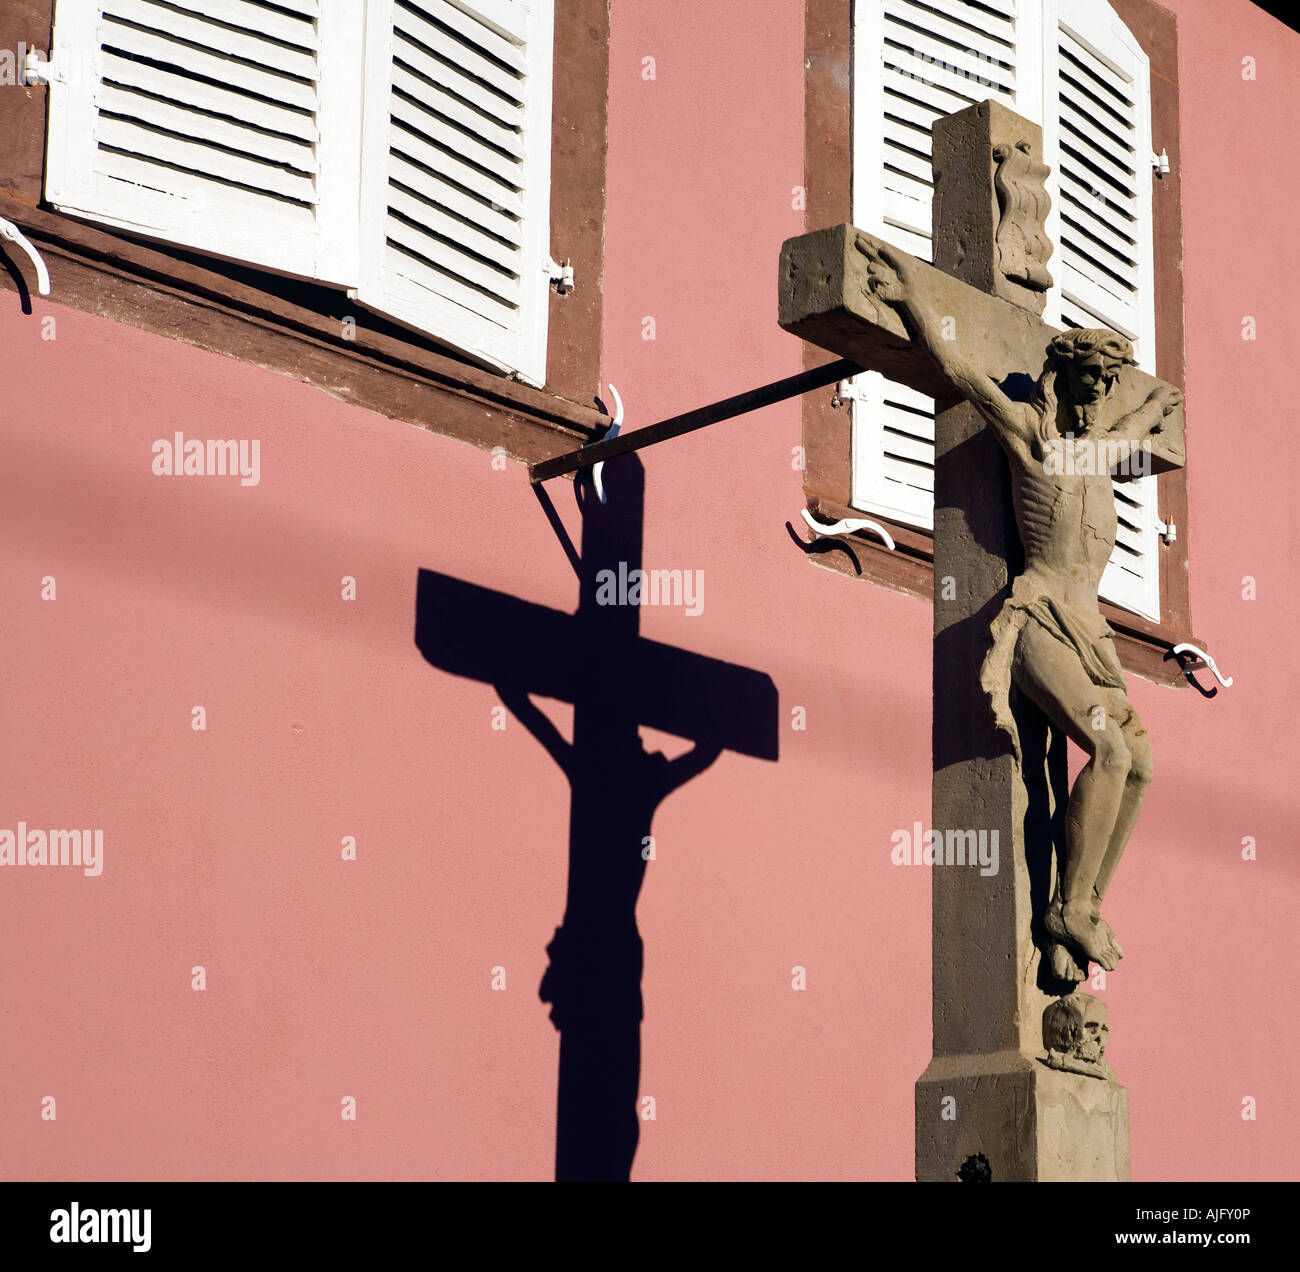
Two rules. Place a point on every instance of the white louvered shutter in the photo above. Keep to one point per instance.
(456, 174)
(227, 126)
(1099, 148)
(915, 60)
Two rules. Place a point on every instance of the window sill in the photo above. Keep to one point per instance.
(223, 308)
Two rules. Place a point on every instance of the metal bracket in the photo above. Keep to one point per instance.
(701, 417)
(845, 391)
(1186, 648)
(1167, 530)
(10, 232)
(1160, 163)
(849, 525)
(37, 70)
(560, 275)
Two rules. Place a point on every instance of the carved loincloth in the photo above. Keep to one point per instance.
(1085, 631)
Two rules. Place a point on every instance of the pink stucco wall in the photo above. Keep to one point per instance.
(372, 978)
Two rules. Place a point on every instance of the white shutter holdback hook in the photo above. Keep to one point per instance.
(1187, 648)
(597, 469)
(12, 234)
(848, 525)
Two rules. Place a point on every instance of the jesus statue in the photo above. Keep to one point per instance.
(1050, 638)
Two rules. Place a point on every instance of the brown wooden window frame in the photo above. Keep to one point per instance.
(1143, 645)
(297, 327)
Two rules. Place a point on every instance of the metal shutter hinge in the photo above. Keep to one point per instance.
(560, 275)
(1166, 530)
(39, 70)
(845, 391)
(1160, 163)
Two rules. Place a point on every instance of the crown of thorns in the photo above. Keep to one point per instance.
(1082, 342)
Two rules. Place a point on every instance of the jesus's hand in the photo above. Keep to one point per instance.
(887, 270)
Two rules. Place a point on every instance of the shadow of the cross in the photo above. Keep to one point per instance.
(617, 681)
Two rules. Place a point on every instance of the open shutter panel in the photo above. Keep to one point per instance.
(1099, 148)
(219, 125)
(456, 174)
(914, 60)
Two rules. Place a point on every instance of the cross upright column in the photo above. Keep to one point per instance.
(987, 1106)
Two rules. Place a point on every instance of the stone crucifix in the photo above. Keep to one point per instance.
(1031, 422)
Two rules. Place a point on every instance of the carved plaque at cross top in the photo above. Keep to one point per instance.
(1031, 422)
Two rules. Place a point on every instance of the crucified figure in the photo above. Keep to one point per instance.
(1050, 638)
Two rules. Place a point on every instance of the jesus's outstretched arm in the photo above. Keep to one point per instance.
(893, 279)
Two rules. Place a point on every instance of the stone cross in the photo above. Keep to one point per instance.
(1030, 424)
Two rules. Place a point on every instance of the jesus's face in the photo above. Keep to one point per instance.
(1090, 378)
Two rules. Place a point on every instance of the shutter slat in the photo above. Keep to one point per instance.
(275, 88)
(264, 209)
(458, 141)
(216, 38)
(936, 98)
(915, 166)
(208, 97)
(899, 229)
(930, 52)
(1092, 126)
(448, 49)
(1080, 87)
(917, 70)
(1122, 271)
(260, 18)
(435, 97)
(473, 31)
(907, 137)
(208, 129)
(1086, 182)
(445, 280)
(953, 22)
(915, 113)
(204, 160)
(908, 447)
(1079, 150)
(1095, 292)
(1089, 210)
(436, 220)
(308, 8)
(435, 190)
(438, 161)
(451, 257)
(451, 77)
(1101, 80)
(914, 476)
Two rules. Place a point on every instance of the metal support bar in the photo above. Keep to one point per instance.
(701, 417)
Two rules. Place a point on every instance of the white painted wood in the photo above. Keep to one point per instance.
(1100, 76)
(1071, 66)
(217, 37)
(161, 82)
(455, 198)
(224, 126)
(907, 73)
